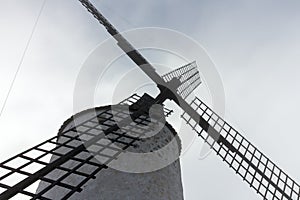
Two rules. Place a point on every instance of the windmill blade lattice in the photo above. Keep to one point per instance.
(188, 76)
(244, 158)
(20, 174)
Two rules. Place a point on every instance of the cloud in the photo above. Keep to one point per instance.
(253, 43)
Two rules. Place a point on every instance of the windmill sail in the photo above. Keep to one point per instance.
(188, 76)
(132, 53)
(244, 158)
(102, 131)
(255, 168)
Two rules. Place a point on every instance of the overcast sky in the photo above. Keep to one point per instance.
(255, 45)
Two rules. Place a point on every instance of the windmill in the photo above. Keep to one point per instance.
(244, 158)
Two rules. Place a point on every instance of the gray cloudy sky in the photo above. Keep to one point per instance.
(254, 43)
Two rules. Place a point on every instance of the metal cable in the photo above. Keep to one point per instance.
(22, 58)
